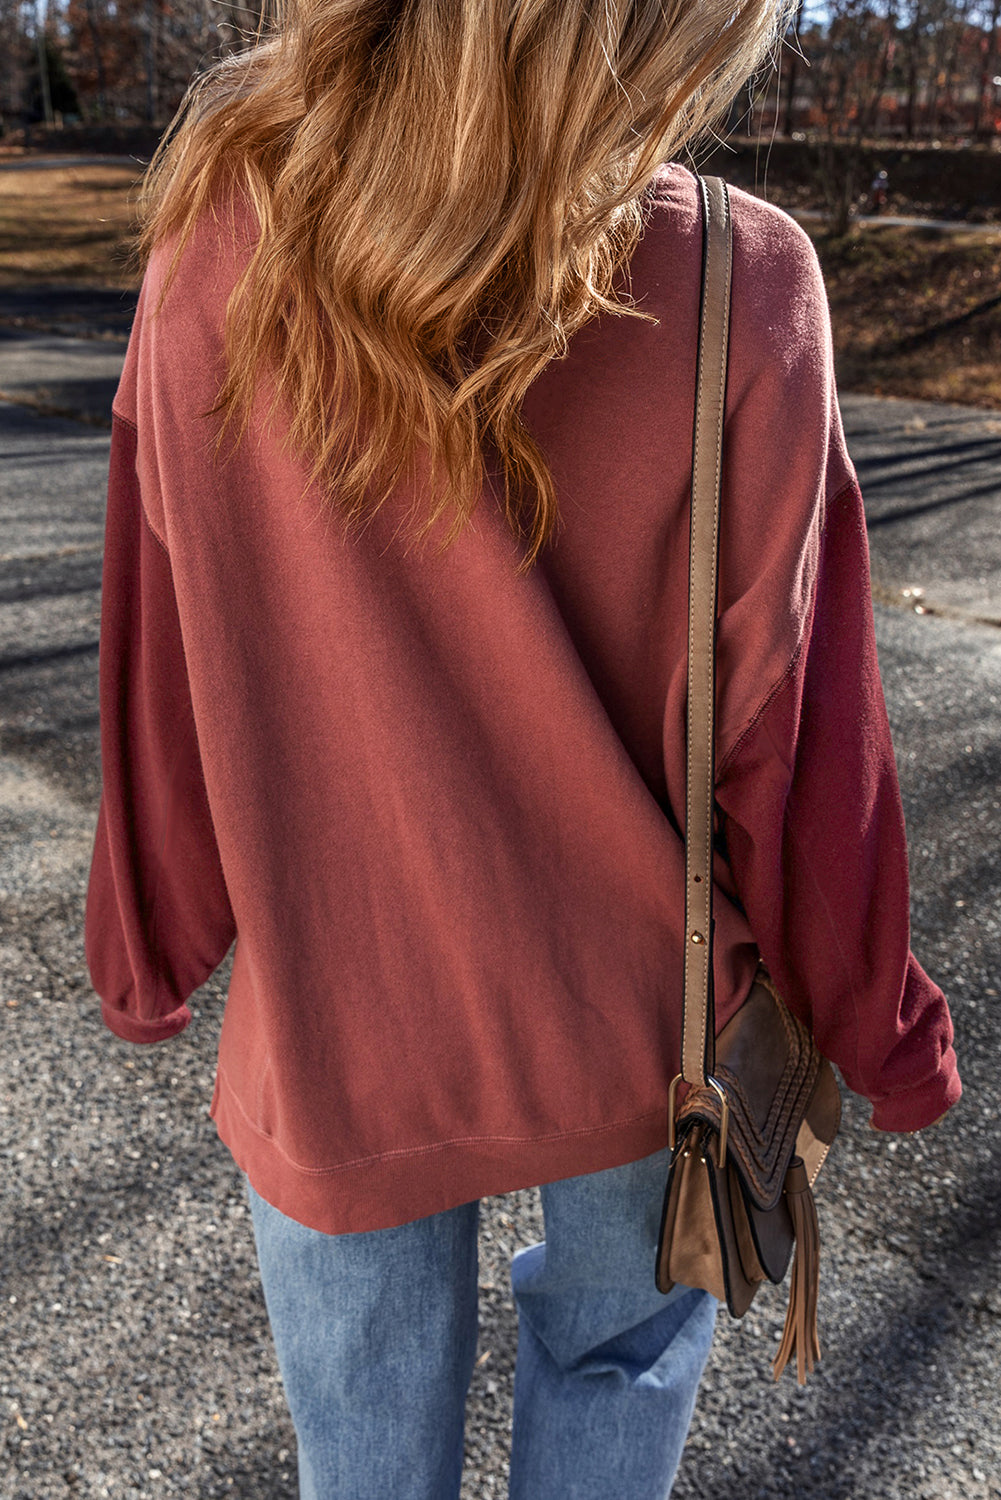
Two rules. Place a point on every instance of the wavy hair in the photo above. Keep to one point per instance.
(445, 191)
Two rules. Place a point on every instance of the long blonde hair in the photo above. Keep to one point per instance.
(445, 191)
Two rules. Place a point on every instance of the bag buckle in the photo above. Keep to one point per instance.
(724, 1121)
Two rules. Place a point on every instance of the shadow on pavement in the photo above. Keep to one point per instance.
(97, 312)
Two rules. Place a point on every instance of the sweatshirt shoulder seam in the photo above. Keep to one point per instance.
(133, 428)
(120, 416)
(787, 671)
(153, 531)
(762, 708)
(848, 484)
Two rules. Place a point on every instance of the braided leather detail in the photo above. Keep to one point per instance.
(762, 1140)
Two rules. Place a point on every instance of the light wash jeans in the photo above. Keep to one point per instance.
(376, 1339)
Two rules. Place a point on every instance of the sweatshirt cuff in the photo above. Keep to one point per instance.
(914, 1109)
(132, 1029)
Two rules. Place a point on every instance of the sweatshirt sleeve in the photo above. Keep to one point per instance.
(158, 918)
(815, 842)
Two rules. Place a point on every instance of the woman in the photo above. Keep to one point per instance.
(393, 684)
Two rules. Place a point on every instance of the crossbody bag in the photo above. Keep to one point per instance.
(762, 1105)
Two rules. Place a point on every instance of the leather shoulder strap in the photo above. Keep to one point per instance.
(698, 1026)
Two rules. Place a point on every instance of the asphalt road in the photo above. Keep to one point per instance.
(137, 1357)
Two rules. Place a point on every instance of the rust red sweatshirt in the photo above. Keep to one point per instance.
(439, 806)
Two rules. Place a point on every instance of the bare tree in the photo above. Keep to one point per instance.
(850, 75)
(16, 27)
(864, 67)
(135, 58)
(791, 49)
(989, 67)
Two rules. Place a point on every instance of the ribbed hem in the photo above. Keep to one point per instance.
(132, 1029)
(913, 1109)
(385, 1191)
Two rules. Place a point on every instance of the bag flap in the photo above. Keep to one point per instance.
(769, 1067)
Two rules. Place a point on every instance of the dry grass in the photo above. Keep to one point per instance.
(915, 312)
(67, 225)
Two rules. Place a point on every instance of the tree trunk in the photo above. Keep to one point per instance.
(41, 30)
(885, 59)
(986, 75)
(95, 42)
(151, 19)
(793, 74)
(913, 67)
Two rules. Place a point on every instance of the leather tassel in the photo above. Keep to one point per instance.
(800, 1333)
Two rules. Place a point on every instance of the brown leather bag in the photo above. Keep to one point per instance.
(762, 1105)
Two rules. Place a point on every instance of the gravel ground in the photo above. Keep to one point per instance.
(137, 1356)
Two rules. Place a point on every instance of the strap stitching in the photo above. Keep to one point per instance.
(703, 959)
(690, 958)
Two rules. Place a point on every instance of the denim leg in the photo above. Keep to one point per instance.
(608, 1367)
(376, 1339)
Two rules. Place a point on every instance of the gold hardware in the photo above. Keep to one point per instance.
(697, 937)
(724, 1121)
(671, 1095)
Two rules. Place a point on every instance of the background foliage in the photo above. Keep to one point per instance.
(901, 68)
